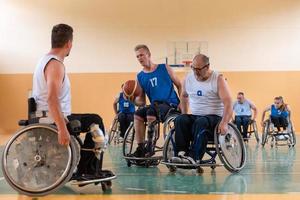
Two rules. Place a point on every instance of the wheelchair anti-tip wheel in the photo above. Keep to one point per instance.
(33, 162)
(231, 149)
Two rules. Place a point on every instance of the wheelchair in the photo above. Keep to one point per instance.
(278, 138)
(114, 132)
(35, 164)
(252, 129)
(153, 135)
(230, 149)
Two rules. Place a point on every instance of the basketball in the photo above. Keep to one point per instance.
(131, 89)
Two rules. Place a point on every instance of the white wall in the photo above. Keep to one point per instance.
(242, 35)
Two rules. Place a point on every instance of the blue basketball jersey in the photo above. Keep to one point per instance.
(158, 85)
(125, 106)
(278, 113)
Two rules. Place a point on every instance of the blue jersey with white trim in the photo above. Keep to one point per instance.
(158, 85)
(125, 106)
(278, 113)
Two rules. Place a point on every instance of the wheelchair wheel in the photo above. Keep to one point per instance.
(255, 130)
(265, 134)
(128, 140)
(292, 136)
(231, 149)
(169, 150)
(33, 162)
(169, 124)
(113, 130)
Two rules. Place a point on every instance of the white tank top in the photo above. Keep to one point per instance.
(203, 95)
(40, 90)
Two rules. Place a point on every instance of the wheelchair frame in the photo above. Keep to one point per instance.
(269, 132)
(253, 129)
(34, 129)
(155, 125)
(214, 148)
(114, 132)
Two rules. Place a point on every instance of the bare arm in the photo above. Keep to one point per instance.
(184, 99)
(141, 99)
(115, 104)
(223, 91)
(175, 79)
(290, 112)
(253, 107)
(54, 75)
(263, 115)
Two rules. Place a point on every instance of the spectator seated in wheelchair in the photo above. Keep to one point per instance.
(124, 109)
(156, 81)
(280, 117)
(243, 114)
(209, 100)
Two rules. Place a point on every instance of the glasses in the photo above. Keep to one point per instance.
(199, 69)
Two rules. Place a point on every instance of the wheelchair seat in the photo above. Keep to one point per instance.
(230, 149)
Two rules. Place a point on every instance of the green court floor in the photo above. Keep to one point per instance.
(268, 170)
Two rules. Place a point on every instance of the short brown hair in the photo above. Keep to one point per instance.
(61, 34)
(141, 46)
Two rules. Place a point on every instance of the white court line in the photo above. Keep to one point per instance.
(173, 191)
(136, 189)
(1, 178)
(221, 192)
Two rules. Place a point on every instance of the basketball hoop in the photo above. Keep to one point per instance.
(187, 63)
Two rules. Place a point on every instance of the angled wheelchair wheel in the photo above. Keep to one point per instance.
(33, 162)
(169, 149)
(113, 130)
(128, 140)
(169, 124)
(292, 136)
(265, 133)
(255, 130)
(231, 149)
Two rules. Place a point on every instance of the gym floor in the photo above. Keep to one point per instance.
(270, 173)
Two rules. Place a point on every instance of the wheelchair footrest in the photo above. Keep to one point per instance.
(144, 162)
(191, 166)
(103, 176)
(143, 158)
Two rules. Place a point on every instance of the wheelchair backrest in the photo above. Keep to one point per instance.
(31, 108)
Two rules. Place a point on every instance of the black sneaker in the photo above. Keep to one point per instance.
(140, 152)
(149, 149)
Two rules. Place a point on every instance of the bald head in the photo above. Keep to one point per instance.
(201, 58)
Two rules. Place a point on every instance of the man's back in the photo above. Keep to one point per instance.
(40, 89)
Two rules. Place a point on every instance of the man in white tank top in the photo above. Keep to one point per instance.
(51, 90)
(207, 95)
